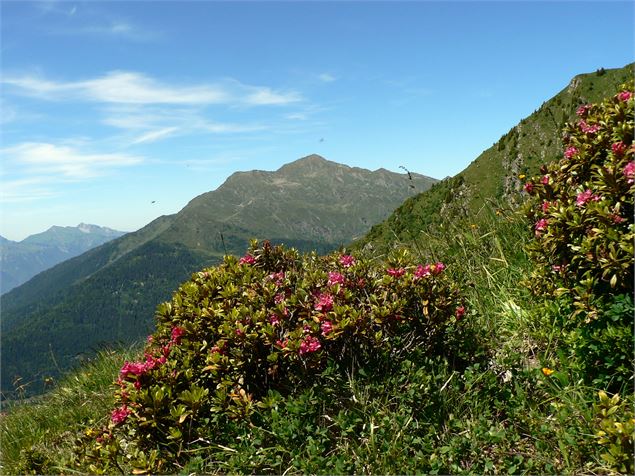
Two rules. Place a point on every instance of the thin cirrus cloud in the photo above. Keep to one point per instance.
(63, 162)
(126, 87)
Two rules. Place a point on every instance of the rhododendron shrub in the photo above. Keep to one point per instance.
(269, 321)
(581, 214)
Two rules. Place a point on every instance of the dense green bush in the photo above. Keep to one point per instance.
(581, 212)
(272, 321)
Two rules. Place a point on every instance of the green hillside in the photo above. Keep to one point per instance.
(109, 294)
(497, 175)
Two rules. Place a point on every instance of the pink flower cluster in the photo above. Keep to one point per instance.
(629, 172)
(396, 273)
(545, 180)
(624, 96)
(586, 196)
(177, 333)
(347, 261)
(326, 327)
(335, 278)
(541, 225)
(570, 152)
(582, 110)
(247, 259)
(545, 206)
(120, 414)
(588, 129)
(618, 148)
(529, 187)
(309, 344)
(460, 312)
(324, 303)
(428, 269)
(277, 278)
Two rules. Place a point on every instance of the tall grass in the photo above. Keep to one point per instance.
(37, 435)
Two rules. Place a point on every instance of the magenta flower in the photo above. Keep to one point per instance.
(529, 187)
(618, 148)
(570, 152)
(396, 273)
(335, 278)
(239, 332)
(277, 278)
(544, 180)
(325, 302)
(347, 261)
(274, 320)
(132, 368)
(615, 218)
(278, 298)
(177, 332)
(326, 327)
(309, 344)
(582, 110)
(247, 259)
(422, 271)
(545, 206)
(282, 344)
(624, 96)
(584, 197)
(629, 172)
(120, 414)
(588, 129)
(460, 312)
(541, 225)
(437, 268)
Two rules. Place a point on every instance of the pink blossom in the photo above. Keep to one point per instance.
(277, 278)
(137, 385)
(618, 148)
(529, 187)
(325, 302)
(624, 96)
(582, 110)
(545, 206)
(278, 298)
(150, 339)
(274, 320)
(396, 273)
(557, 268)
(570, 152)
(247, 259)
(347, 261)
(615, 218)
(309, 344)
(132, 368)
(541, 225)
(460, 312)
(120, 414)
(177, 333)
(239, 332)
(544, 180)
(282, 344)
(335, 278)
(326, 327)
(584, 197)
(629, 172)
(437, 268)
(422, 271)
(165, 350)
(588, 129)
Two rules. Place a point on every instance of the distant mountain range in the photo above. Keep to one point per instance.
(496, 175)
(20, 261)
(109, 293)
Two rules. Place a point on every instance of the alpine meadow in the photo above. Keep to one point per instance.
(327, 319)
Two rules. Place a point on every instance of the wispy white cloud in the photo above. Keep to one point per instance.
(326, 77)
(25, 190)
(63, 161)
(126, 87)
(155, 135)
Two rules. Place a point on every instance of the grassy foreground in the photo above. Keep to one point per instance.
(508, 404)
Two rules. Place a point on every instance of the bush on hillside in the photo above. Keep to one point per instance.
(269, 322)
(581, 213)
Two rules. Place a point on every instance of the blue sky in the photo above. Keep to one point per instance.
(109, 106)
